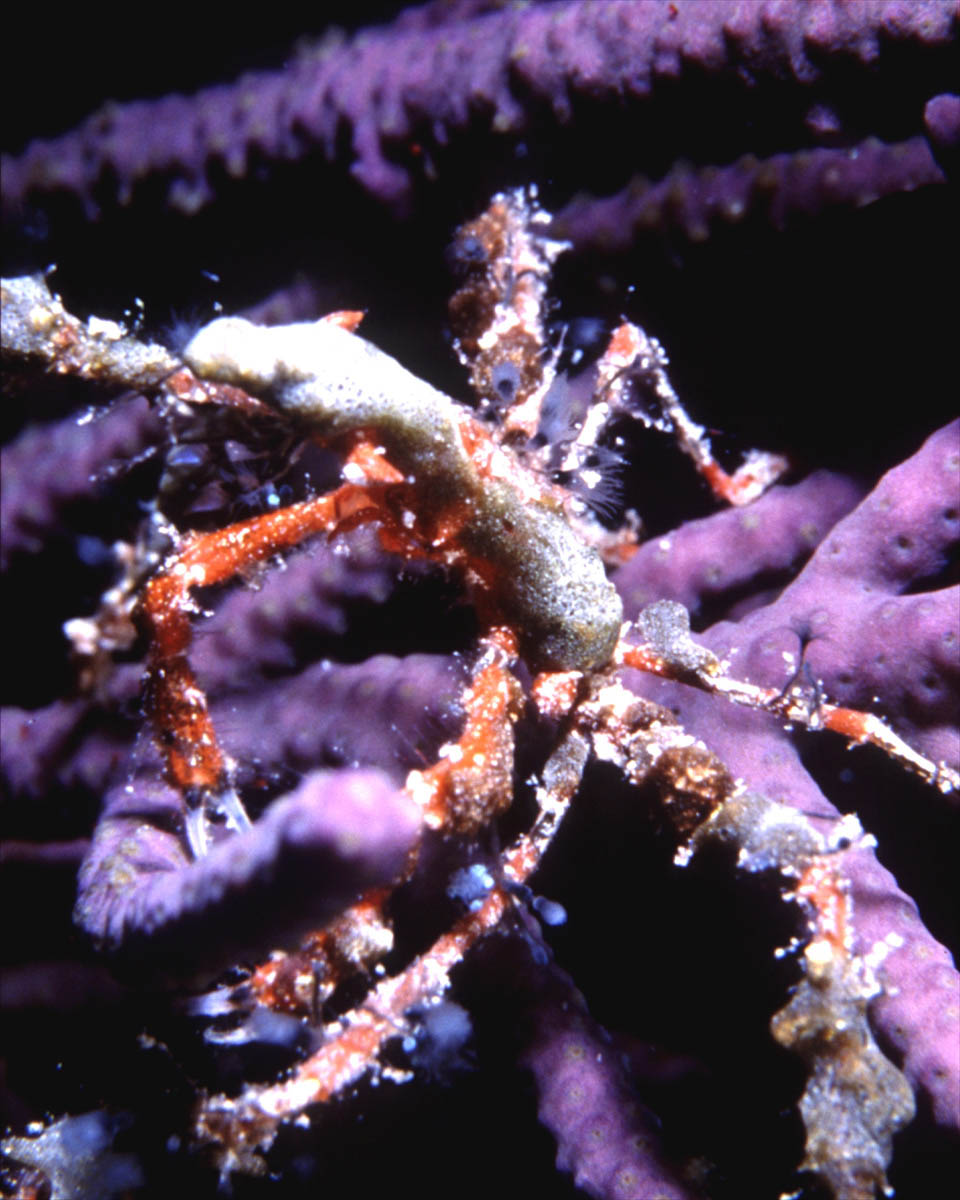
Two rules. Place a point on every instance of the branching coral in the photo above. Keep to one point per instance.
(393, 710)
(404, 93)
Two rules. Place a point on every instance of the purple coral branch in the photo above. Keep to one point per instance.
(51, 467)
(311, 597)
(898, 538)
(433, 75)
(704, 560)
(313, 854)
(606, 1139)
(778, 190)
(70, 743)
(405, 702)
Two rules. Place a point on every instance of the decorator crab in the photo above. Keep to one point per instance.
(506, 495)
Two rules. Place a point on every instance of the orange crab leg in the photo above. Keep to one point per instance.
(174, 701)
